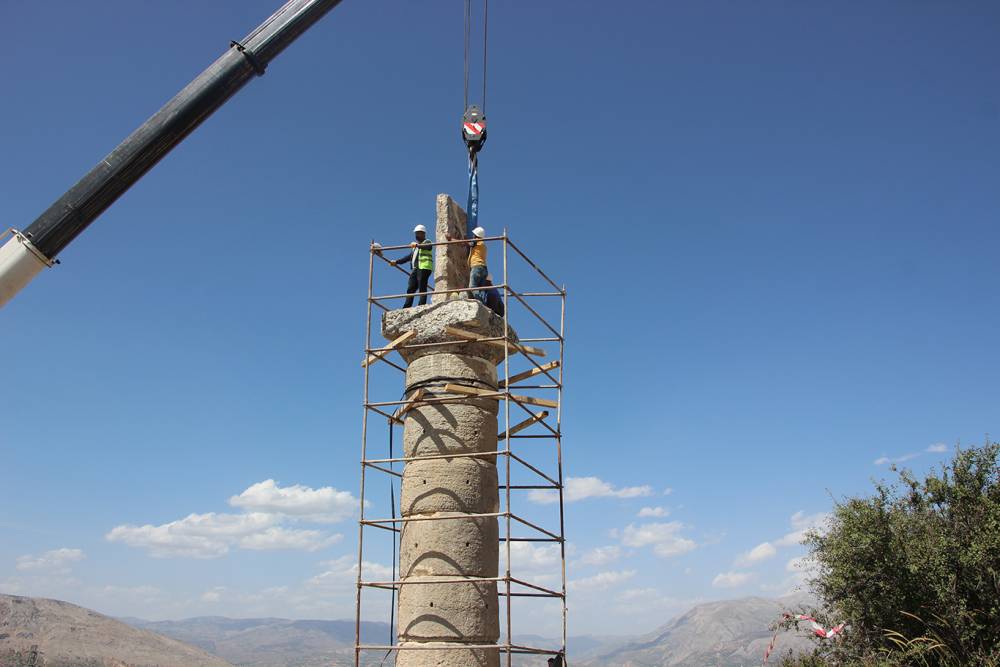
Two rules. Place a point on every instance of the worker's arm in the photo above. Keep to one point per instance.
(402, 260)
(471, 241)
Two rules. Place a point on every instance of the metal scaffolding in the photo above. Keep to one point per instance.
(545, 379)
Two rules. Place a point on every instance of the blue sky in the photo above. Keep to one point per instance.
(777, 223)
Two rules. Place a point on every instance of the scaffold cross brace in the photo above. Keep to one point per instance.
(379, 354)
(538, 370)
(525, 424)
(476, 338)
(412, 403)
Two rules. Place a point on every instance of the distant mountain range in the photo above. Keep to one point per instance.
(716, 634)
(66, 635)
(732, 633)
(271, 642)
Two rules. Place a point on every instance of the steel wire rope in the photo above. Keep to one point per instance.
(447, 379)
(468, 19)
(486, 17)
(468, 50)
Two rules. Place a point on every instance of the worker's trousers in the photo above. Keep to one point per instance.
(477, 278)
(418, 283)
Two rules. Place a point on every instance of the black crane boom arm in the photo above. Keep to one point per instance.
(140, 151)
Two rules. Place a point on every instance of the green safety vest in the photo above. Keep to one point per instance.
(425, 258)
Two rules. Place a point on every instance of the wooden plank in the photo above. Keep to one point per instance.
(525, 424)
(531, 400)
(538, 370)
(375, 356)
(466, 335)
(410, 404)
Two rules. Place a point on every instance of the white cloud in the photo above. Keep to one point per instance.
(212, 535)
(882, 460)
(802, 524)
(525, 556)
(800, 570)
(658, 512)
(602, 555)
(323, 505)
(57, 561)
(731, 579)
(267, 505)
(936, 448)
(343, 572)
(801, 520)
(581, 488)
(792, 539)
(277, 537)
(761, 552)
(213, 594)
(327, 594)
(667, 491)
(195, 536)
(601, 580)
(662, 536)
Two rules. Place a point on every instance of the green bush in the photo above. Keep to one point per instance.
(915, 569)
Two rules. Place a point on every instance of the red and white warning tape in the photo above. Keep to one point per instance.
(818, 630)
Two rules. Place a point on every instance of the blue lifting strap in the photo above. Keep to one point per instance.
(472, 220)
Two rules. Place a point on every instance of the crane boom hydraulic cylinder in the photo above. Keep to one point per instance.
(25, 254)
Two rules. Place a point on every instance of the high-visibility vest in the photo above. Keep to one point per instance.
(425, 258)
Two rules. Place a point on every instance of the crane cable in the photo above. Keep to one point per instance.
(486, 24)
(474, 117)
(465, 54)
(468, 51)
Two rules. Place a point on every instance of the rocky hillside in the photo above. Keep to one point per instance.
(272, 642)
(731, 633)
(68, 635)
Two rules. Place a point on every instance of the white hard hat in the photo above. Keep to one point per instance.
(420, 228)
(376, 245)
(479, 232)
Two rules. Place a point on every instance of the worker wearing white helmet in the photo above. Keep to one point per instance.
(421, 259)
(477, 262)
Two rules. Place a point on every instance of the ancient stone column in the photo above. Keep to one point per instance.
(452, 546)
(451, 262)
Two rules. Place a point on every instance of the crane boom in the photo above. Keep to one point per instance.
(26, 253)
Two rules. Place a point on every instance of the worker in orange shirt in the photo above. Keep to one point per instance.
(477, 263)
